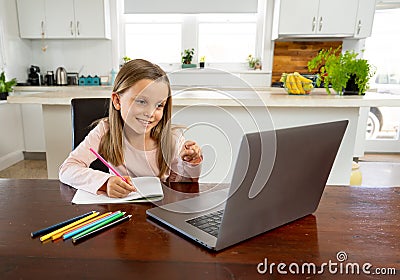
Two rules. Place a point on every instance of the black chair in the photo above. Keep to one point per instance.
(84, 112)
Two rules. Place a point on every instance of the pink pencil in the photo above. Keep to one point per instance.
(107, 164)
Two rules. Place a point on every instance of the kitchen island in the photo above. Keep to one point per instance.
(217, 119)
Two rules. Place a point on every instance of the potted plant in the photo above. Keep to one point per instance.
(126, 59)
(202, 61)
(253, 61)
(6, 87)
(344, 72)
(187, 57)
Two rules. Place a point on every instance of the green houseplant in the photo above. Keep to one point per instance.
(126, 59)
(202, 61)
(346, 73)
(187, 57)
(252, 61)
(5, 86)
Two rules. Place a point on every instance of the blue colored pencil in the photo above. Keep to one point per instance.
(59, 225)
(93, 228)
(81, 238)
(78, 230)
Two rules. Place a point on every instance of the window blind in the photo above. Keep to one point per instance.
(189, 6)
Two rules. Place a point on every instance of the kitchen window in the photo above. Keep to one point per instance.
(157, 38)
(224, 39)
(227, 38)
(155, 42)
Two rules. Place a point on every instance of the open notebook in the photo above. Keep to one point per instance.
(148, 189)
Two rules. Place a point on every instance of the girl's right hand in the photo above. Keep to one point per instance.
(117, 188)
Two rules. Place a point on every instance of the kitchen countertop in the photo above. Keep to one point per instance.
(59, 88)
(273, 97)
(239, 103)
(285, 110)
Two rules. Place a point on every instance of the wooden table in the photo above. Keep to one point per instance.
(362, 222)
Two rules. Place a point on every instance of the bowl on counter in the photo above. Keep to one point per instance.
(299, 88)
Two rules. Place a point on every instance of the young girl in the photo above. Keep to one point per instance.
(136, 138)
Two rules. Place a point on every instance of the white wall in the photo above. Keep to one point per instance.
(16, 52)
(11, 137)
(94, 57)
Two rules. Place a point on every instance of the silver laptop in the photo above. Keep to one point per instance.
(279, 177)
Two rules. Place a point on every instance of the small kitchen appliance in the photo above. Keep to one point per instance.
(34, 77)
(61, 77)
(72, 78)
(50, 78)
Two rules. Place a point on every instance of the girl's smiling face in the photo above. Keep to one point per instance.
(142, 105)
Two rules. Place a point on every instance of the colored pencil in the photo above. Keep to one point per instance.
(100, 225)
(78, 230)
(58, 235)
(81, 238)
(107, 164)
(58, 225)
(49, 235)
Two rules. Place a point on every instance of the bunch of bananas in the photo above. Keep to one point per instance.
(296, 83)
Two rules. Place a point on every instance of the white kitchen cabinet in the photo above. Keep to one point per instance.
(32, 124)
(31, 18)
(65, 19)
(92, 19)
(315, 18)
(365, 18)
(89, 19)
(60, 19)
(33, 129)
(11, 137)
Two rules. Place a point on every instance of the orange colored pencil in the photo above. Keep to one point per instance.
(49, 235)
(58, 235)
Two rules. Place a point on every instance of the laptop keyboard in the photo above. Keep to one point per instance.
(209, 223)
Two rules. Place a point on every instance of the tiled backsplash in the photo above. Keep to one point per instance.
(293, 56)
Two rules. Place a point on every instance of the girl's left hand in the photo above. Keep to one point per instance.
(191, 152)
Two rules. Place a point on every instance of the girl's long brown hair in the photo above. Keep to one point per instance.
(111, 144)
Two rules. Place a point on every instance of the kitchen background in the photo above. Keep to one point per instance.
(100, 56)
(277, 51)
(90, 55)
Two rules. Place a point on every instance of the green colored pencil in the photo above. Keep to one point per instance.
(103, 228)
(99, 225)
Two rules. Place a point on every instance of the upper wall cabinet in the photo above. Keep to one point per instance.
(314, 18)
(31, 18)
(64, 19)
(365, 18)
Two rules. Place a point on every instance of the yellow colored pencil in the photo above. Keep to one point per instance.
(47, 236)
(58, 235)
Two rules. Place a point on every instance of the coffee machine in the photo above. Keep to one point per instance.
(34, 77)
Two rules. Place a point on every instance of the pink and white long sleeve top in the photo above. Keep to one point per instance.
(75, 170)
